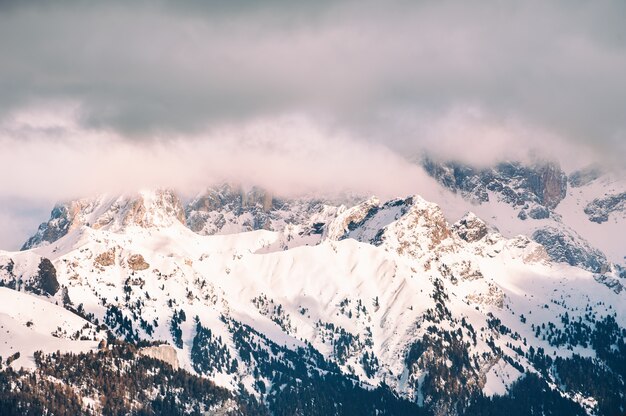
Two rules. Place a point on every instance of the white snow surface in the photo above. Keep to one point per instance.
(311, 278)
(27, 324)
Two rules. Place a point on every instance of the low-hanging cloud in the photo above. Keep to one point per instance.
(291, 156)
(323, 97)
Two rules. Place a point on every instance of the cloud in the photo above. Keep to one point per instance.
(19, 219)
(318, 97)
(470, 135)
(173, 67)
(289, 155)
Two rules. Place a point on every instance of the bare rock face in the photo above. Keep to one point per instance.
(534, 189)
(165, 353)
(228, 208)
(600, 209)
(44, 282)
(421, 228)
(470, 228)
(549, 183)
(137, 262)
(610, 282)
(210, 212)
(147, 209)
(160, 208)
(410, 226)
(563, 246)
(48, 277)
(63, 219)
(105, 259)
(585, 176)
(30, 273)
(352, 218)
(233, 197)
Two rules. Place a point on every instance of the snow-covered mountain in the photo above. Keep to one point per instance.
(145, 209)
(278, 298)
(579, 218)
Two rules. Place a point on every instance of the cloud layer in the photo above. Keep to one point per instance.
(179, 66)
(297, 97)
(61, 160)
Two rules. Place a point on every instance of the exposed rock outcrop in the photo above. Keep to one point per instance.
(137, 262)
(470, 228)
(600, 209)
(228, 209)
(549, 183)
(570, 248)
(610, 282)
(584, 176)
(47, 277)
(31, 273)
(165, 353)
(535, 189)
(106, 258)
(63, 219)
(350, 219)
(147, 209)
(144, 209)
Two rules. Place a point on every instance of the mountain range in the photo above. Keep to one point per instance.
(503, 295)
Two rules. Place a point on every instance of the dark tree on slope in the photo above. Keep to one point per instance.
(177, 333)
(127, 383)
(209, 354)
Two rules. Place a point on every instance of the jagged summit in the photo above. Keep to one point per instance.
(532, 200)
(143, 209)
(471, 228)
(384, 293)
(578, 218)
(533, 189)
(221, 209)
(228, 208)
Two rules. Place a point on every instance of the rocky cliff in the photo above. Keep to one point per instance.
(534, 190)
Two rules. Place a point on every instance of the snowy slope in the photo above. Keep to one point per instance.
(583, 224)
(608, 236)
(29, 324)
(380, 291)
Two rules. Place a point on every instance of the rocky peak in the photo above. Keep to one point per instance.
(533, 189)
(584, 176)
(233, 197)
(146, 209)
(407, 225)
(229, 208)
(63, 219)
(549, 183)
(349, 219)
(418, 230)
(470, 228)
(208, 212)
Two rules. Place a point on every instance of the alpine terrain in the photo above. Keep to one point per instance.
(506, 296)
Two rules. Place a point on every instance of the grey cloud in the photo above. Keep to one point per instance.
(19, 218)
(176, 67)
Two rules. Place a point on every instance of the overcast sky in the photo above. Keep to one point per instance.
(100, 96)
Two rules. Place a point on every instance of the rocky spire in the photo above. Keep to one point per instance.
(160, 208)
